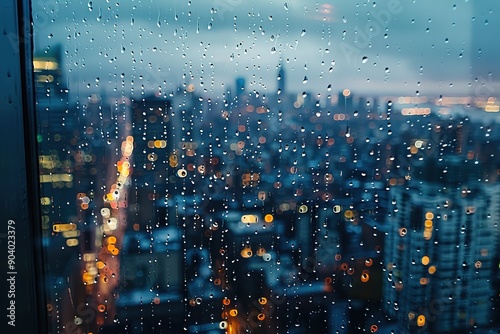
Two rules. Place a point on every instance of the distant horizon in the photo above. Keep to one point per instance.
(391, 47)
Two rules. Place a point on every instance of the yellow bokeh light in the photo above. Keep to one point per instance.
(249, 219)
(72, 242)
(88, 278)
(421, 320)
(63, 227)
(429, 215)
(432, 270)
(365, 277)
(246, 252)
(45, 64)
(425, 260)
(268, 218)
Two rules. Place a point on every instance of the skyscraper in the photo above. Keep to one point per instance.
(281, 79)
(439, 255)
(240, 86)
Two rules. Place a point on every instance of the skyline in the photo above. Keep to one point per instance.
(126, 46)
(204, 212)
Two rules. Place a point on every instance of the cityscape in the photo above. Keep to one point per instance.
(276, 212)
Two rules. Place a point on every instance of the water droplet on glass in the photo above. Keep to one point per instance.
(303, 32)
(364, 59)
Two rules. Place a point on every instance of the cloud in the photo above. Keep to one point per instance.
(160, 43)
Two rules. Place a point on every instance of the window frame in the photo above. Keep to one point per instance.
(19, 177)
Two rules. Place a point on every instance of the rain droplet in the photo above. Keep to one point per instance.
(303, 32)
(364, 59)
(286, 6)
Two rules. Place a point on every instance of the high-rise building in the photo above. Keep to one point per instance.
(54, 115)
(240, 86)
(439, 255)
(281, 79)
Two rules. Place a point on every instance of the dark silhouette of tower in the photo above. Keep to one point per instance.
(281, 79)
(240, 86)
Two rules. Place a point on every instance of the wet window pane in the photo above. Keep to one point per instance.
(235, 166)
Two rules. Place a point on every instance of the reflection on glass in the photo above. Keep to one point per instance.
(298, 167)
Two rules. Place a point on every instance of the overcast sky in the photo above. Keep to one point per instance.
(382, 47)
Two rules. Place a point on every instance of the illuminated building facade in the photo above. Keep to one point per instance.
(439, 256)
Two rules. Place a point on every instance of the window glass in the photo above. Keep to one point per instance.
(291, 166)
